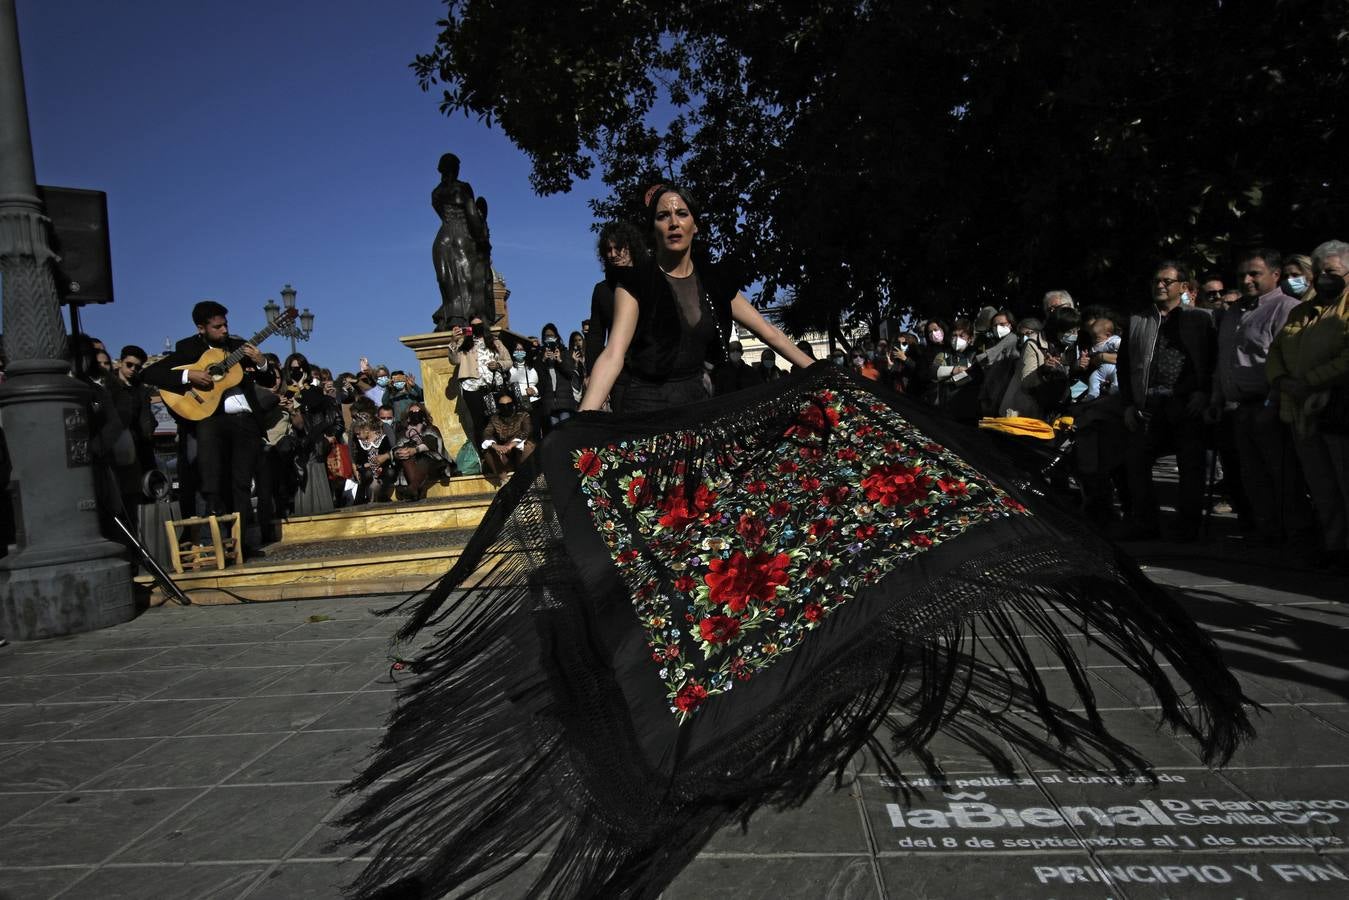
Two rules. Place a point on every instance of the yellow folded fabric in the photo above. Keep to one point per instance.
(1022, 426)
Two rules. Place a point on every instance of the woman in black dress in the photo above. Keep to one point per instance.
(671, 316)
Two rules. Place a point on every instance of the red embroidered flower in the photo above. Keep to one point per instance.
(1013, 504)
(676, 512)
(921, 540)
(821, 527)
(779, 508)
(817, 419)
(819, 568)
(787, 467)
(810, 453)
(865, 532)
(685, 584)
(954, 487)
(895, 484)
(813, 611)
(757, 487)
(809, 483)
(719, 629)
(752, 529)
(741, 580)
(690, 697)
(837, 494)
(847, 454)
(627, 556)
(588, 463)
(638, 493)
(672, 651)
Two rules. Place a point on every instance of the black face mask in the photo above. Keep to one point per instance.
(1329, 286)
(505, 408)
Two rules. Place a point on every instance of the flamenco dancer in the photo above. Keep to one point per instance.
(675, 616)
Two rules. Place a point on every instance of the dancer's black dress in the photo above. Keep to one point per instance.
(668, 620)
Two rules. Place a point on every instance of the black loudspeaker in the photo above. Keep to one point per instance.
(79, 235)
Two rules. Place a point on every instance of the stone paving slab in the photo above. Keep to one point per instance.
(194, 753)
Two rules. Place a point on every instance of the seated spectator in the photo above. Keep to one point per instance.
(420, 451)
(734, 374)
(1104, 377)
(507, 439)
(372, 457)
(403, 391)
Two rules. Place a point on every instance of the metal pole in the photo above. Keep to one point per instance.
(63, 576)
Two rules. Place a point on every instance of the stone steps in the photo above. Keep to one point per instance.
(388, 548)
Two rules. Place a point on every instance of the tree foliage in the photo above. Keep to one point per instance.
(860, 159)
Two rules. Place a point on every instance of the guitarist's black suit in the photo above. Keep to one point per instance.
(228, 444)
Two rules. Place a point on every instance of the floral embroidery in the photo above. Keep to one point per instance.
(732, 569)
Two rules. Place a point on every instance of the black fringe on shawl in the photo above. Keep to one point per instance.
(492, 754)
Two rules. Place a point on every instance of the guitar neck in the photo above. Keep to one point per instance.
(230, 361)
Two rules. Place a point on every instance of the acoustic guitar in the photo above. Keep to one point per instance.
(225, 369)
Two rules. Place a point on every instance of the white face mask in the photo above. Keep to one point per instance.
(935, 337)
(959, 343)
(1185, 298)
(1297, 285)
(1001, 331)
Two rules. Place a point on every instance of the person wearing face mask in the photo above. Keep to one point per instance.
(403, 391)
(1297, 275)
(523, 379)
(1309, 370)
(621, 246)
(557, 381)
(480, 362)
(904, 363)
(1270, 478)
(768, 370)
(734, 374)
(419, 452)
(507, 440)
(954, 386)
(1036, 349)
(934, 333)
(996, 364)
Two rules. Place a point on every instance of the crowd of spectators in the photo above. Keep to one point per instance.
(1243, 375)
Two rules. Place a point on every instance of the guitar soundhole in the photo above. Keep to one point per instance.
(216, 372)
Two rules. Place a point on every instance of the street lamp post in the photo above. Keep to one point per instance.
(297, 330)
(63, 576)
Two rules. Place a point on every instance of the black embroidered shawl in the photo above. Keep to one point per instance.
(668, 621)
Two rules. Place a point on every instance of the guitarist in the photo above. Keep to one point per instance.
(229, 442)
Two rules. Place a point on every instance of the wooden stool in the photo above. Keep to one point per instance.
(190, 556)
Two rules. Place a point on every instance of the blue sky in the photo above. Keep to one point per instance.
(248, 144)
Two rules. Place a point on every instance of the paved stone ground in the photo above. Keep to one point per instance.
(194, 753)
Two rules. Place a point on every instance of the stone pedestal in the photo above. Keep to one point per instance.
(437, 380)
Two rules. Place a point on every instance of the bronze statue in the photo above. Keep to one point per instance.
(461, 252)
